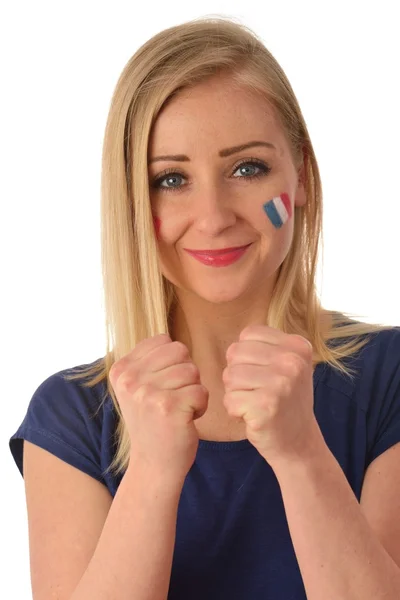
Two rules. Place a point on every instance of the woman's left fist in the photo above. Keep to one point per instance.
(269, 383)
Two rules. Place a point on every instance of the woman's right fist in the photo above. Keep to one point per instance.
(160, 395)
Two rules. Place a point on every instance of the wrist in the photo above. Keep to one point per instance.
(154, 480)
(312, 448)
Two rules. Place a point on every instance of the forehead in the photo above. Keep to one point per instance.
(215, 112)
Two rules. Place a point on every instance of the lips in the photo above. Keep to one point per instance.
(219, 258)
(216, 252)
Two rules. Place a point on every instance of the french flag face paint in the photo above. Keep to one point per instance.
(278, 210)
(157, 225)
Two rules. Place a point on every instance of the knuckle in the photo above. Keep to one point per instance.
(162, 339)
(116, 369)
(293, 363)
(127, 381)
(180, 349)
(191, 369)
(304, 346)
(284, 389)
(233, 350)
(164, 401)
(227, 375)
(201, 390)
(198, 393)
(113, 372)
(145, 391)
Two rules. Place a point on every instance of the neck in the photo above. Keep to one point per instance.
(208, 329)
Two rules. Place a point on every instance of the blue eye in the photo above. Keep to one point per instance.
(170, 174)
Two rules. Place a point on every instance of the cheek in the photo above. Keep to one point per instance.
(169, 225)
(278, 210)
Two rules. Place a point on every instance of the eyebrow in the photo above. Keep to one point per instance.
(221, 153)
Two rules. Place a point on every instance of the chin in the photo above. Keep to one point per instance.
(219, 296)
(217, 289)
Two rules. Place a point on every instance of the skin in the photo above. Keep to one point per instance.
(212, 206)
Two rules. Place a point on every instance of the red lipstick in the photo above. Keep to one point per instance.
(218, 258)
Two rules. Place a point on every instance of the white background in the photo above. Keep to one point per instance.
(60, 62)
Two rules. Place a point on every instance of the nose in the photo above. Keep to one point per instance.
(214, 211)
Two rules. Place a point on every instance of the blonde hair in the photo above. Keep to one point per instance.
(138, 298)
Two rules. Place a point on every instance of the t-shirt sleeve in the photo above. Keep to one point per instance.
(63, 417)
(384, 409)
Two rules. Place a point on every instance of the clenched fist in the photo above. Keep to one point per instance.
(160, 395)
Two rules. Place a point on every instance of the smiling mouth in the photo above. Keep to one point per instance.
(219, 258)
(216, 252)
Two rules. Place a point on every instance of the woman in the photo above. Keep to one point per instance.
(237, 440)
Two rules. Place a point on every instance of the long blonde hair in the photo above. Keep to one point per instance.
(138, 298)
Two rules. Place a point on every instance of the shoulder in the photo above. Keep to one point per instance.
(69, 419)
(63, 394)
(373, 368)
(360, 415)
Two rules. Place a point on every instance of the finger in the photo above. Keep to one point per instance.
(270, 335)
(246, 377)
(256, 353)
(148, 344)
(140, 350)
(162, 357)
(238, 403)
(193, 398)
(173, 377)
(249, 351)
(144, 347)
(263, 333)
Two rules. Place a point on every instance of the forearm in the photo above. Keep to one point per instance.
(133, 557)
(339, 556)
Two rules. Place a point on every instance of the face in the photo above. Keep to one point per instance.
(216, 200)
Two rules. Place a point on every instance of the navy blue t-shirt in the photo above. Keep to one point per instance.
(232, 536)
